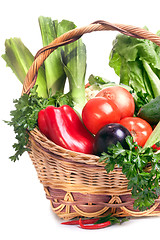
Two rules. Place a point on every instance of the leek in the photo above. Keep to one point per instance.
(67, 61)
(74, 62)
(19, 59)
(55, 75)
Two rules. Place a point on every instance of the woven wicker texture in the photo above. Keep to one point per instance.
(75, 183)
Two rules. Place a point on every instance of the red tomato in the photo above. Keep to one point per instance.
(121, 97)
(139, 129)
(98, 112)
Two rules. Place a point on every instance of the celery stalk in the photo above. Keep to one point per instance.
(19, 59)
(55, 75)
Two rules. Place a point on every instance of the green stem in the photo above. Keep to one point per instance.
(154, 80)
(55, 75)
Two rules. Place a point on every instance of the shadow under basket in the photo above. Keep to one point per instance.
(75, 183)
(78, 185)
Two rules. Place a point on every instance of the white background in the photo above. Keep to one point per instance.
(25, 213)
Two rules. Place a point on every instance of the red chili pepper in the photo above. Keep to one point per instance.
(96, 223)
(84, 221)
(94, 226)
(66, 129)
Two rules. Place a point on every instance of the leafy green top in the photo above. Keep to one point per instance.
(144, 184)
(24, 117)
(137, 63)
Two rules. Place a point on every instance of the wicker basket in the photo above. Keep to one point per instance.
(77, 184)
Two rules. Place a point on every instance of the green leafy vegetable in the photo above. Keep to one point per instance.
(137, 62)
(19, 59)
(144, 184)
(24, 117)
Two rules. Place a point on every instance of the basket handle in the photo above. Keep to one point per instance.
(74, 35)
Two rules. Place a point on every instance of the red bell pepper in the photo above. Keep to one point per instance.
(63, 126)
(42, 123)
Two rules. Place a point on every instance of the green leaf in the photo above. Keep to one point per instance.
(19, 59)
(137, 62)
(144, 185)
(59, 99)
(98, 80)
(154, 79)
(116, 61)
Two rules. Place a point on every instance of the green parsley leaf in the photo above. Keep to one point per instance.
(24, 117)
(144, 184)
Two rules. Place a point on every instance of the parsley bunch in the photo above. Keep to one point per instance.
(144, 184)
(24, 117)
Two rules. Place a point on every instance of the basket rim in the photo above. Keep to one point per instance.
(41, 140)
